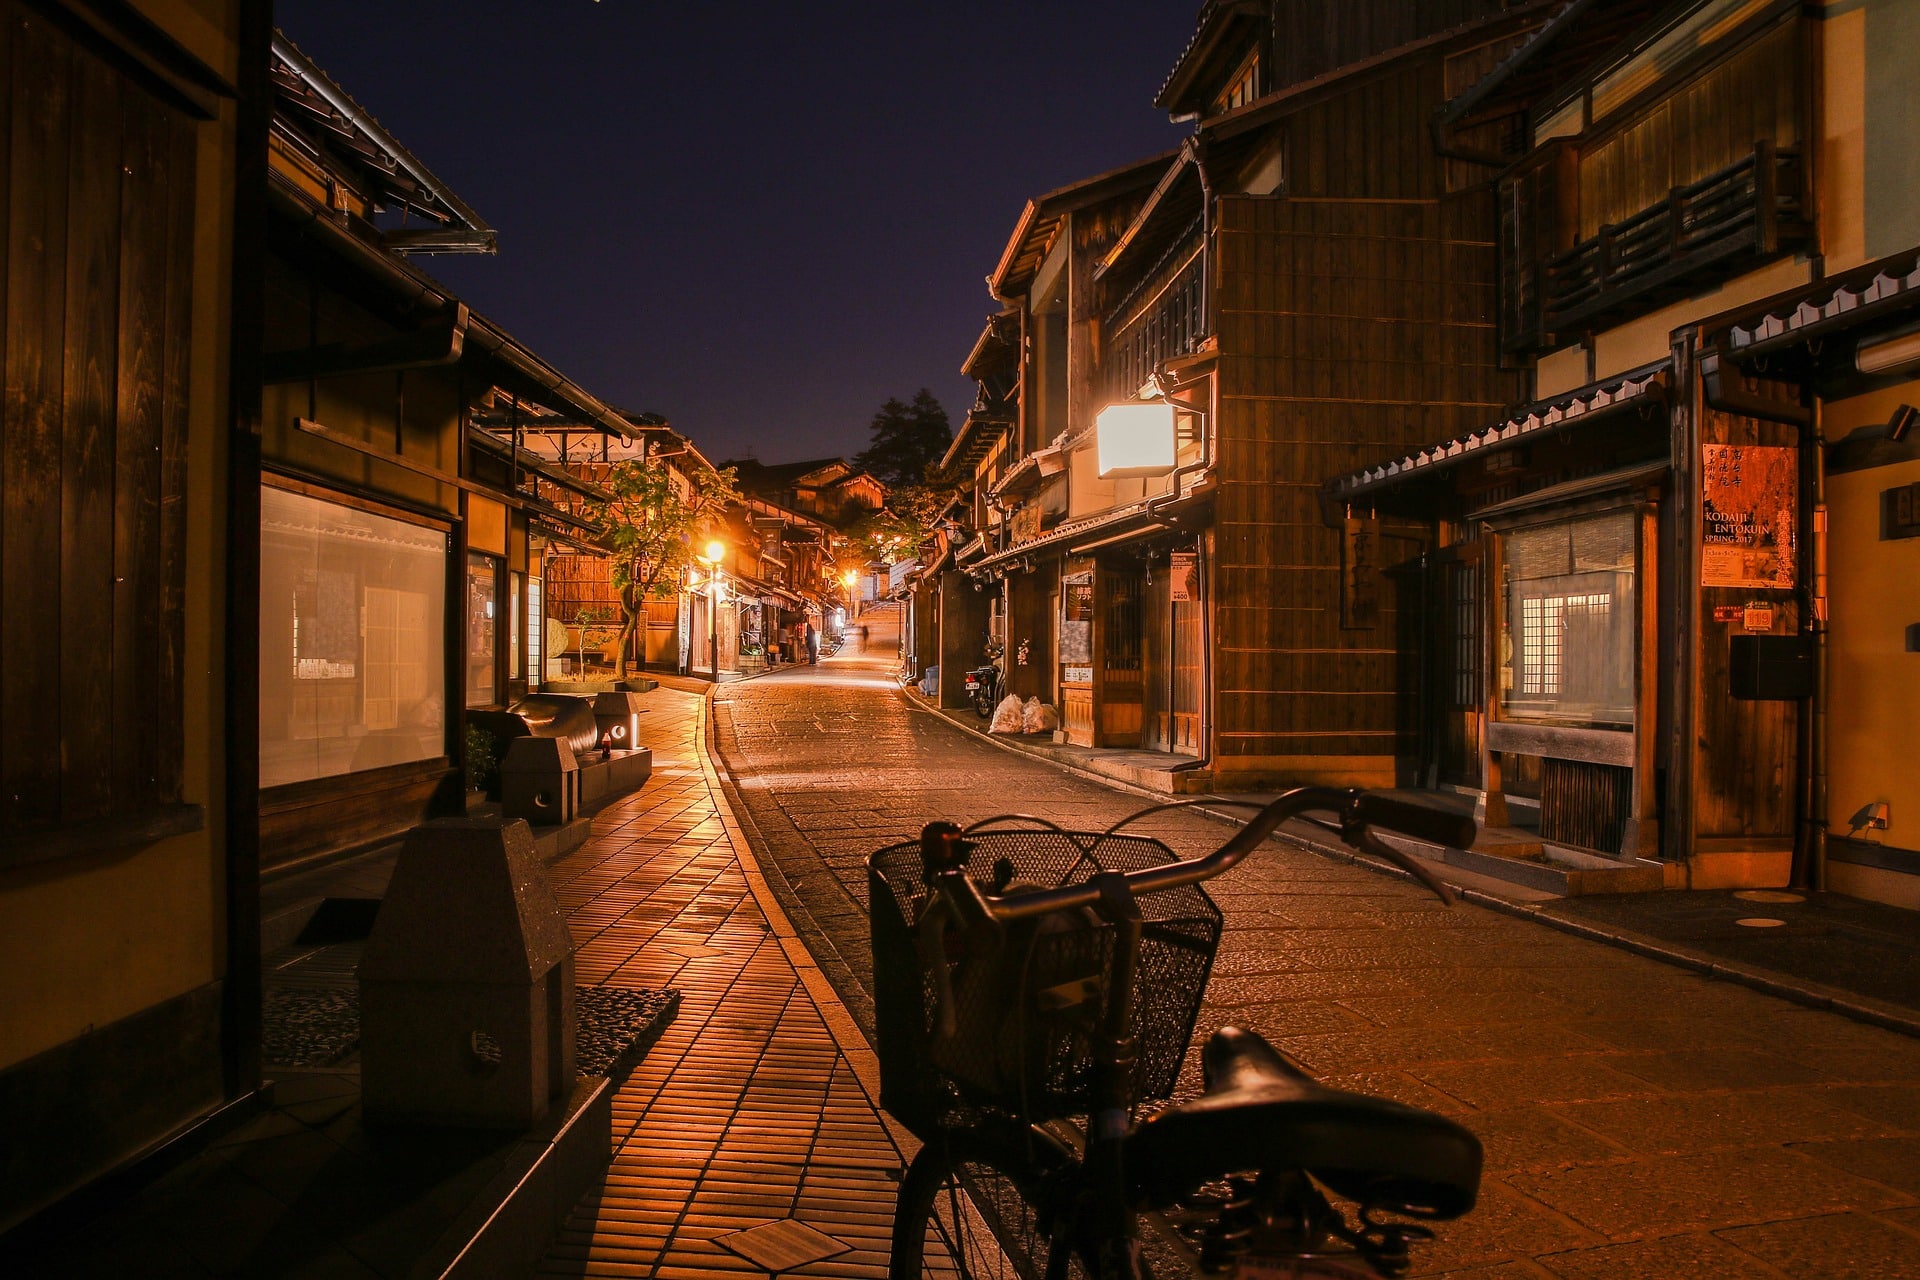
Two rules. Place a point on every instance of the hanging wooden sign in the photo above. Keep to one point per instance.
(1360, 573)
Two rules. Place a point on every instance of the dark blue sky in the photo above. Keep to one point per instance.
(759, 219)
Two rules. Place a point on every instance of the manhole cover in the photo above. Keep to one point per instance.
(782, 1245)
(1760, 922)
(1769, 895)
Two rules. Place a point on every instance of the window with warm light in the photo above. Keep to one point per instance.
(352, 637)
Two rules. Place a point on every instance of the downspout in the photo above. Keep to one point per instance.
(1816, 871)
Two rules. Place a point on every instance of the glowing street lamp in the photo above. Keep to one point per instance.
(716, 552)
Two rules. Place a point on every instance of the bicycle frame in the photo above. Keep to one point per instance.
(1102, 1222)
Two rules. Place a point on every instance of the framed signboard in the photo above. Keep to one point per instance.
(1748, 494)
(1182, 577)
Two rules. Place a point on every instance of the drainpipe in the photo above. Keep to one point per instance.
(1817, 710)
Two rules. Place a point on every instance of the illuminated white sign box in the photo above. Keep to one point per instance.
(1134, 439)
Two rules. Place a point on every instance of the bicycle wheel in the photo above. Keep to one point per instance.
(979, 1206)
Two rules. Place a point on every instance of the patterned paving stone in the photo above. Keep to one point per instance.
(1638, 1118)
(724, 1128)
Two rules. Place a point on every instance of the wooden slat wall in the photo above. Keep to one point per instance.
(98, 188)
(1318, 35)
(1754, 95)
(1350, 331)
(1370, 142)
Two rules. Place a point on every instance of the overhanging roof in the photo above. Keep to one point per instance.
(1033, 233)
(1642, 388)
(328, 123)
(997, 347)
(979, 433)
(1875, 293)
(1572, 39)
(1219, 22)
(414, 291)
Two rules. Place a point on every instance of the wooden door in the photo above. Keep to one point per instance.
(1117, 694)
(1458, 675)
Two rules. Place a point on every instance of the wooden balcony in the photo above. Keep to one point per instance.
(1701, 234)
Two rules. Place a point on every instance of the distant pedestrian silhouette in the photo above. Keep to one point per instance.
(813, 642)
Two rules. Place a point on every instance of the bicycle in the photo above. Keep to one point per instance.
(1034, 985)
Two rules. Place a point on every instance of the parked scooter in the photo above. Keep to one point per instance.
(983, 687)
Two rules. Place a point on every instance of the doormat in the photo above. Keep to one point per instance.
(614, 1026)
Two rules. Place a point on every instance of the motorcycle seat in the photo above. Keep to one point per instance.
(1261, 1111)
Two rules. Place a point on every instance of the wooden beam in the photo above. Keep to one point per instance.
(440, 344)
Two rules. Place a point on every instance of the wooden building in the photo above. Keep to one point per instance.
(404, 520)
(1626, 572)
(128, 430)
(1309, 287)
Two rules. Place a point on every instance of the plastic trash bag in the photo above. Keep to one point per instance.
(1007, 716)
(1038, 717)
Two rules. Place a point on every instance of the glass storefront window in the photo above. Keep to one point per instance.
(516, 607)
(352, 640)
(483, 627)
(536, 634)
(1568, 638)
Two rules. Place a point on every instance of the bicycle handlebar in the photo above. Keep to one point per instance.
(945, 859)
(944, 853)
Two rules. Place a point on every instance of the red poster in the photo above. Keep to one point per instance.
(1748, 497)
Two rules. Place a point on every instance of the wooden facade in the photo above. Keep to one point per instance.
(1349, 330)
(128, 260)
(405, 517)
(1663, 167)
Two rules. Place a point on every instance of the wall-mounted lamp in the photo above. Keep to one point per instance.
(1895, 351)
(1901, 422)
(1870, 817)
(1134, 439)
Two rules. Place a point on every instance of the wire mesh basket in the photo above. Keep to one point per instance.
(1027, 1002)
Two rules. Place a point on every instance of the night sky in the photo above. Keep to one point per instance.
(759, 219)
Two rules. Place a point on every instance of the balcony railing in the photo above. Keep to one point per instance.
(1700, 234)
(1159, 319)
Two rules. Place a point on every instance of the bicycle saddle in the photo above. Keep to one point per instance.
(1260, 1111)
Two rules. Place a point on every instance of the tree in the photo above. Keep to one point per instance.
(895, 532)
(907, 439)
(649, 522)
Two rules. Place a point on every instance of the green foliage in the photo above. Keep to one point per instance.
(895, 532)
(907, 439)
(481, 766)
(650, 521)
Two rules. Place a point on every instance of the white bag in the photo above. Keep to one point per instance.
(1038, 717)
(1006, 716)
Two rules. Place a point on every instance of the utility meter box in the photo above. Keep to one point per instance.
(1771, 668)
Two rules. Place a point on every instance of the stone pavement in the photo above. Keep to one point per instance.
(746, 1141)
(1640, 1120)
(754, 1109)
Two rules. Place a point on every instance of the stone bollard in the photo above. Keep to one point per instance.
(617, 714)
(540, 781)
(466, 986)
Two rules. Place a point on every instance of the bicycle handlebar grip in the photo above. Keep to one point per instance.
(1421, 822)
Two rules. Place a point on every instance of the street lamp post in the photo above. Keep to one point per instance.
(716, 552)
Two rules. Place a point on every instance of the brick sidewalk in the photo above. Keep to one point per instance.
(755, 1108)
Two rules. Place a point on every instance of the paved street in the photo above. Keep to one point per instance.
(1639, 1120)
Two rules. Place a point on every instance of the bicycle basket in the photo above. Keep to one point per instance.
(1025, 1004)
